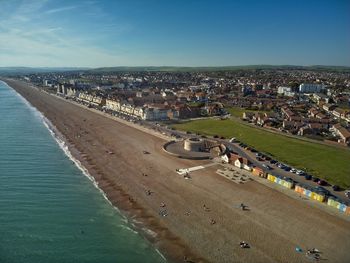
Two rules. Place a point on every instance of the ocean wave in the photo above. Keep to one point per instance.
(149, 232)
(59, 138)
(161, 255)
(126, 227)
(133, 222)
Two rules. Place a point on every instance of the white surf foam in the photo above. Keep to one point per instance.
(126, 227)
(59, 139)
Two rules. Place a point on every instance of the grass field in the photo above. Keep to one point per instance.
(329, 163)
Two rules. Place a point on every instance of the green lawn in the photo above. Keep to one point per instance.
(238, 112)
(329, 163)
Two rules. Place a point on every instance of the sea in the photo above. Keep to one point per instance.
(50, 210)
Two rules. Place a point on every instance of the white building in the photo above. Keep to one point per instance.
(113, 105)
(155, 113)
(286, 91)
(311, 88)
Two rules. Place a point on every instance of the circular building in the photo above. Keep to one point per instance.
(194, 145)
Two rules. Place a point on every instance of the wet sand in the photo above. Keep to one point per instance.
(274, 225)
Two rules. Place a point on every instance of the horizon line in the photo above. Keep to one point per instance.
(172, 66)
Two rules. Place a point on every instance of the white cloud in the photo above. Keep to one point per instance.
(27, 38)
(61, 9)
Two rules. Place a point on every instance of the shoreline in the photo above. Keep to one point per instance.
(138, 223)
(195, 236)
(66, 148)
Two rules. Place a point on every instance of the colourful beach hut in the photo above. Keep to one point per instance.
(277, 180)
(270, 177)
(307, 192)
(288, 183)
(333, 202)
(318, 196)
(299, 189)
(347, 211)
(258, 171)
(342, 207)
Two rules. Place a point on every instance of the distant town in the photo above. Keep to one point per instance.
(312, 104)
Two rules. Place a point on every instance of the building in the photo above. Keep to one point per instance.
(311, 88)
(286, 91)
(113, 105)
(339, 113)
(91, 99)
(238, 161)
(343, 133)
(328, 107)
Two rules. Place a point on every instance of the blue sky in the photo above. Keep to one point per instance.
(96, 33)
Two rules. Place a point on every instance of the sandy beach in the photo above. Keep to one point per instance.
(142, 185)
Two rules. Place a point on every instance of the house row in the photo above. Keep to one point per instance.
(91, 99)
(147, 112)
(342, 132)
(237, 160)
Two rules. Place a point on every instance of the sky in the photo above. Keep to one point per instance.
(105, 33)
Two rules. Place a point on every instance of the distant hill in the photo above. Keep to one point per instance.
(224, 68)
(29, 70)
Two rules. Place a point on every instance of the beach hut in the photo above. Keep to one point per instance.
(271, 177)
(347, 211)
(318, 196)
(283, 182)
(287, 182)
(257, 171)
(307, 192)
(333, 202)
(277, 180)
(299, 189)
(342, 207)
(263, 175)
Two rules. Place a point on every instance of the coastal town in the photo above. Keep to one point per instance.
(174, 131)
(312, 104)
(297, 103)
(112, 124)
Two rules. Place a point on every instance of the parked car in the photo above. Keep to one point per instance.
(315, 179)
(300, 172)
(267, 167)
(293, 170)
(321, 182)
(335, 187)
(307, 177)
(273, 162)
(286, 168)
